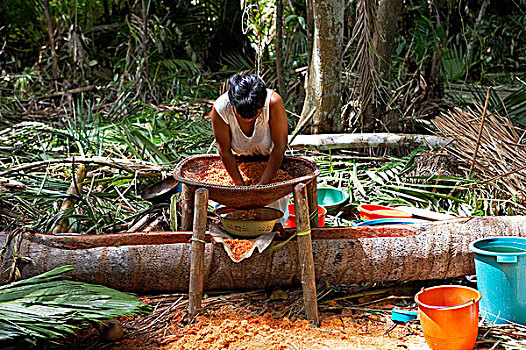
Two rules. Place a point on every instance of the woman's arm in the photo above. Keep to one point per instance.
(222, 135)
(279, 131)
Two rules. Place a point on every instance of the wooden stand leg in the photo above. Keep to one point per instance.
(312, 195)
(187, 213)
(308, 278)
(197, 259)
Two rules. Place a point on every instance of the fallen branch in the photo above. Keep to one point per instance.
(364, 140)
(121, 164)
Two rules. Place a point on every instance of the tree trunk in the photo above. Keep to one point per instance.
(482, 11)
(387, 24)
(323, 91)
(107, 14)
(364, 62)
(310, 32)
(54, 59)
(435, 90)
(161, 261)
(279, 48)
(144, 43)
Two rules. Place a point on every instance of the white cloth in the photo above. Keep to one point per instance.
(259, 143)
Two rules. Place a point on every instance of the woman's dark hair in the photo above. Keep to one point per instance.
(247, 93)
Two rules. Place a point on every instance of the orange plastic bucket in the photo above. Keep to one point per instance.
(372, 212)
(291, 220)
(449, 316)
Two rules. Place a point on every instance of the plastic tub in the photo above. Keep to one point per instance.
(449, 316)
(500, 263)
(291, 220)
(372, 212)
(332, 198)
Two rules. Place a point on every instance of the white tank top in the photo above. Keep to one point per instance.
(260, 142)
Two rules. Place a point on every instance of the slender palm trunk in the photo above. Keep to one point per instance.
(387, 24)
(279, 47)
(54, 59)
(144, 43)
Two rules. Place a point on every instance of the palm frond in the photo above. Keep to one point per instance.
(50, 307)
(20, 11)
(454, 63)
(508, 101)
(515, 107)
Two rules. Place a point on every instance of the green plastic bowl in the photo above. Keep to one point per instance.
(332, 198)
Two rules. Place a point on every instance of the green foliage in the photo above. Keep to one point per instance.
(501, 44)
(129, 131)
(510, 102)
(20, 12)
(454, 63)
(394, 183)
(49, 307)
(497, 41)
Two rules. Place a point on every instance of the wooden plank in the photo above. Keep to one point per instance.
(306, 261)
(197, 260)
(187, 210)
(312, 197)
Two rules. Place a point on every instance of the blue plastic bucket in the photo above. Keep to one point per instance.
(500, 263)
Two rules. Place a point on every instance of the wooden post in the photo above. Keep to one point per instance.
(187, 212)
(197, 258)
(312, 197)
(308, 278)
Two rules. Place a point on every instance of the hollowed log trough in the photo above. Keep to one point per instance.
(160, 262)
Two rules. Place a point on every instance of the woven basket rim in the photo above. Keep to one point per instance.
(207, 157)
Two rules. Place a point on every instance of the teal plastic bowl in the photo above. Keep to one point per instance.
(332, 198)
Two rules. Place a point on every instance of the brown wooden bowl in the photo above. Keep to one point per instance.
(240, 197)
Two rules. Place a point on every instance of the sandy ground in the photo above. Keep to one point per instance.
(234, 331)
(274, 320)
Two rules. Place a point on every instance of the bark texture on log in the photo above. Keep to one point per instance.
(341, 256)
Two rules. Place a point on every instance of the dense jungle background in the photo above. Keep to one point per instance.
(118, 91)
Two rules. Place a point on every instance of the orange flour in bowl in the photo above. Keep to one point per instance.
(215, 173)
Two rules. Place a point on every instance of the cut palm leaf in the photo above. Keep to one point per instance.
(50, 307)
